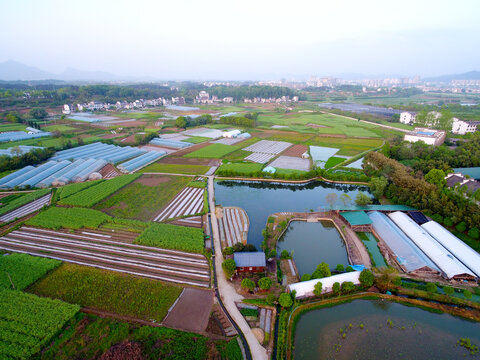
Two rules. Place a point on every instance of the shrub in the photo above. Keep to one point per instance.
(340, 268)
(285, 300)
(306, 277)
(324, 270)
(336, 288)
(271, 298)
(366, 278)
(474, 233)
(437, 217)
(397, 281)
(265, 283)
(467, 294)
(448, 222)
(461, 227)
(229, 267)
(349, 269)
(284, 254)
(317, 289)
(238, 247)
(348, 287)
(248, 284)
(227, 251)
(448, 290)
(273, 253)
(249, 248)
(431, 287)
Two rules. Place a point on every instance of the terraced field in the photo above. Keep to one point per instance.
(108, 252)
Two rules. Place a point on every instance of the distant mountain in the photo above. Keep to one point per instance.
(471, 75)
(11, 70)
(75, 75)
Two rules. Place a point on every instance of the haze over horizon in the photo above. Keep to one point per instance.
(242, 40)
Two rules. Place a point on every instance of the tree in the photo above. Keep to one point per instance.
(13, 117)
(348, 287)
(271, 299)
(38, 113)
(349, 269)
(377, 186)
(181, 122)
(306, 277)
(323, 270)
(285, 300)
(340, 268)
(461, 227)
(284, 255)
(436, 177)
(445, 121)
(448, 290)
(336, 288)
(229, 267)
(331, 199)
(474, 233)
(247, 284)
(317, 289)
(265, 283)
(362, 199)
(273, 253)
(238, 247)
(345, 199)
(228, 250)
(366, 278)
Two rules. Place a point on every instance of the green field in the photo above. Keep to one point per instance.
(88, 337)
(331, 162)
(108, 291)
(22, 200)
(70, 189)
(347, 146)
(61, 128)
(197, 139)
(68, 218)
(289, 172)
(213, 151)
(18, 271)
(28, 322)
(239, 169)
(172, 237)
(12, 127)
(176, 169)
(143, 198)
(94, 194)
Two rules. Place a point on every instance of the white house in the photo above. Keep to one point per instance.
(407, 117)
(428, 136)
(462, 127)
(66, 109)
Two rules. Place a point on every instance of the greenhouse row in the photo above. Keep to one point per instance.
(170, 143)
(21, 135)
(18, 150)
(109, 153)
(141, 161)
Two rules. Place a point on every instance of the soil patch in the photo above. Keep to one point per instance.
(295, 150)
(152, 180)
(126, 350)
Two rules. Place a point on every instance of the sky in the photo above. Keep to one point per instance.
(242, 40)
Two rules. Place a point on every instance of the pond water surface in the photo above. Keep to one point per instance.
(262, 199)
(390, 331)
(313, 243)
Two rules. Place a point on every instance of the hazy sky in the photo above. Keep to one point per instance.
(259, 39)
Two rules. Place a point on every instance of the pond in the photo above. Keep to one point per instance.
(313, 243)
(390, 331)
(262, 199)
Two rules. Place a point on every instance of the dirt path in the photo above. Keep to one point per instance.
(226, 290)
(369, 122)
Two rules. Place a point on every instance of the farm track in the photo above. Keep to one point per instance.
(26, 209)
(188, 202)
(103, 251)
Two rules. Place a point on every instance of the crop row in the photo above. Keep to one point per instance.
(97, 193)
(69, 218)
(23, 270)
(172, 237)
(25, 199)
(70, 189)
(213, 151)
(28, 322)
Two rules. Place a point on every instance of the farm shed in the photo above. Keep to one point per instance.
(451, 267)
(304, 289)
(358, 220)
(469, 257)
(407, 254)
(250, 261)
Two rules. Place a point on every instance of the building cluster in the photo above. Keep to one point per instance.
(204, 97)
(122, 105)
(460, 127)
(459, 180)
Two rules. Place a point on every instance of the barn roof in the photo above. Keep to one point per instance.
(356, 217)
(249, 259)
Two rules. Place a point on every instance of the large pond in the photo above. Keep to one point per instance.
(313, 243)
(262, 199)
(390, 331)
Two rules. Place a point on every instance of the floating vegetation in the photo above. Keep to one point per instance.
(390, 323)
(361, 326)
(467, 344)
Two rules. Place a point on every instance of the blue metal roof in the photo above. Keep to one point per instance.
(249, 259)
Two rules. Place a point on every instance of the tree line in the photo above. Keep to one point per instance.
(17, 161)
(241, 92)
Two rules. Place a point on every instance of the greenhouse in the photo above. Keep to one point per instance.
(170, 143)
(68, 176)
(17, 180)
(469, 257)
(407, 253)
(49, 180)
(18, 150)
(21, 135)
(13, 175)
(34, 180)
(141, 161)
(445, 261)
(85, 173)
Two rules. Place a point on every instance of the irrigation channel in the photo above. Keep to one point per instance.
(313, 243)
(381, 329)
(262, 199)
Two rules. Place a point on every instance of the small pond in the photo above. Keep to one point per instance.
(390, 331)
(313, 243)
(262, 199)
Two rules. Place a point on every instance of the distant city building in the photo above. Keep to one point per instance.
(428, 136)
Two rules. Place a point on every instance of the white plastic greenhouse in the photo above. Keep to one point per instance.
(305, 288)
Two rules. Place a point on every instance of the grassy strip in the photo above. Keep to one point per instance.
(331, 162)
(28, 322)
(176, 169)
(110, 291)
(213, 151)
(239, 169)
(97, 193)
(172, 237)
(69, 218)
(25, 199)
(22, 270)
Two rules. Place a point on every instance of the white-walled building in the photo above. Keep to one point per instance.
(66, 109)
(407, 117)
(463, 127)
(428, 136)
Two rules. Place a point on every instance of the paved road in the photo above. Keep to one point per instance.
(226, 290)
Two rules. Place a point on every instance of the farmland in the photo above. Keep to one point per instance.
(333, 161)
(197, 139)
(94, 194)
(70, 189)
(143, 198)
(26, 209)
(172, 237)
(189, 201)
(188, 169)
(108, 291)
(23, 270)
(213, 151)
(239, 169)
(69, 218)
(28, 322)
(25, 199)
(347, 146)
